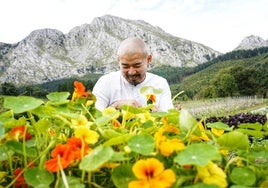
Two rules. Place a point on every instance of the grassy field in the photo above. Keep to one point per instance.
(225, 106)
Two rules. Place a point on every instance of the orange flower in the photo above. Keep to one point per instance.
(151, 98)
(151, 173)
(79, 149)
(66, 154)
(18, 133)
(79, 90)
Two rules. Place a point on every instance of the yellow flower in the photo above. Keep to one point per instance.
(202, 135)
(151, 173)
(212, 174)
(146, 116)
(80, 122)
(89, 136)
(111, 112)
(170, 146)
(216, 131)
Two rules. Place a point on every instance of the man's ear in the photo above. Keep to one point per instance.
(149, 59)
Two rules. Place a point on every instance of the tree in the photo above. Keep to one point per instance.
(9, 89)
(224, 85)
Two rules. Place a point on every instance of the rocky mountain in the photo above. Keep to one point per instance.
(48, 54)
(251, 42)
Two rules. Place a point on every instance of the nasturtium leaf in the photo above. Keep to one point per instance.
(186, 121)
(58, 96)
(252, 126)
(45, 111)
(6, 116)
(37, 177)
(5, 153)
(197, 154)
(42, 125)
(18, 148)
(219, 125)
(110, 133)
(201, 185)
(15, 122)
(122, 175)
(21, 104)
(96, 158)
(255, 133)
(117, 140)
(73, 182)
(234, 140)
(143, 144)
(243, 176)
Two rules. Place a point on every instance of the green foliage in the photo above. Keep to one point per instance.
(9, 89)
(243, 77)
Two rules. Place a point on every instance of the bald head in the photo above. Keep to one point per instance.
(132, 46)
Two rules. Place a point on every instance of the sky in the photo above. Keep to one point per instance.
(218, 24)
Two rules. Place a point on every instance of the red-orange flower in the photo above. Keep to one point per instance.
(79, 90)
(18, 133)
(66, 155)
(151, 173)
(79, 149)
(20, 182)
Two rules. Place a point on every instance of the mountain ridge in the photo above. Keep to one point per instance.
(49, 54)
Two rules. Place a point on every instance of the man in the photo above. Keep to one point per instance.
(124, 87)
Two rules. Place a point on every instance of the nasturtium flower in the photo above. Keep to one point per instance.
(81, 121)
(151, 173)
(89, 136)
(65, 154)
(169, 146)
(151, 99)
(202, 134)
(20, 181)
(216, 131)
(18, 132)
(80, 149)
(79, 91)
(212, 174)
(111, 111)
(145, 116)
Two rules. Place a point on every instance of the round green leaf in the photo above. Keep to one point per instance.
(22, 103)
(197, 154)
(234, 140)
(186, 121)
(58, 96)
(243, 176)
(37, 177)
(122, 175)
(96, 158)
(143, 144)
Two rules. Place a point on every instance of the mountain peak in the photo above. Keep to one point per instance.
(48, 54)
(251, 42)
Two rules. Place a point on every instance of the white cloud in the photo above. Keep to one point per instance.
(219, 24)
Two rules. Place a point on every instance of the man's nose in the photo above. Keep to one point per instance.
(131, 70)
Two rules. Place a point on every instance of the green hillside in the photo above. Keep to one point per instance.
(237, 73)
(242, 77)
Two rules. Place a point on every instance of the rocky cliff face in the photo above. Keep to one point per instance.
(251, 42)
(48, 54)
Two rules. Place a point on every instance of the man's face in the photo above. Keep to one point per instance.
(134, 67)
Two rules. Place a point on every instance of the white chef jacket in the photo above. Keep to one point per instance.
(113, 87)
